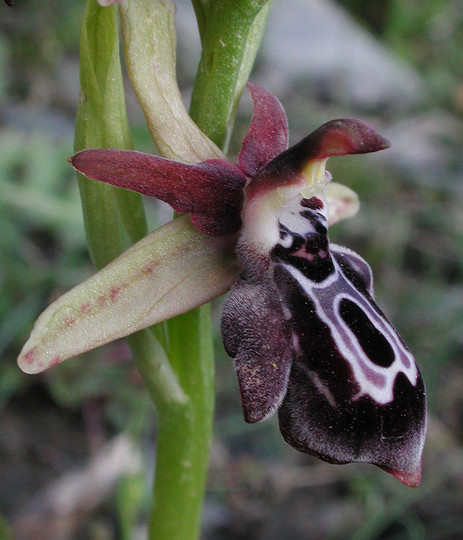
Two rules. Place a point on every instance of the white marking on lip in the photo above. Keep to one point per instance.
(326, 297)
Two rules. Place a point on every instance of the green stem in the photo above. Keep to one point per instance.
(231, 33)
(185, 431)
(110, 215)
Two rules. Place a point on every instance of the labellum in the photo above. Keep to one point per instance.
(306, 335)
(309, 340)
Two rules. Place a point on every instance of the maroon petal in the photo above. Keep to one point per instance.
(268, 133)
(212, 190)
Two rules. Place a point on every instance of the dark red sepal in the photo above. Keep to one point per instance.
(268, 133)
(339, 138)
(212, 191)
(335, 138)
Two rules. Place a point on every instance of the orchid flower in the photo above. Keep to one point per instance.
(306, 336)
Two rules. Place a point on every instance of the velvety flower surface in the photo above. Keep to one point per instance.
(300, 321)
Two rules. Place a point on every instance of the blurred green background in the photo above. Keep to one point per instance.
(94, 410)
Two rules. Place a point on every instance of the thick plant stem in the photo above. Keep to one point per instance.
(185, 432)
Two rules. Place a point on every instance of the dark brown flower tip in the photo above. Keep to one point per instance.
(268, 133)
(212, 191)
(9, 3)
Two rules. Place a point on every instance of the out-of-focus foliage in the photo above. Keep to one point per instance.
(409, 228)
(426, 33)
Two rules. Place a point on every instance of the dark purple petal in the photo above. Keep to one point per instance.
(211, 191)
(255, 334)
(268, 134)
(327, 412)
(9, 2)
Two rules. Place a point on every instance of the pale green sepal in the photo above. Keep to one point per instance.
(343, 203)
(148, 35)
(170, 271)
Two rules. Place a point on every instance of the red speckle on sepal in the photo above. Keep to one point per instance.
(114, 293)
(30, 356)
(84, 308)
(69, 321)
